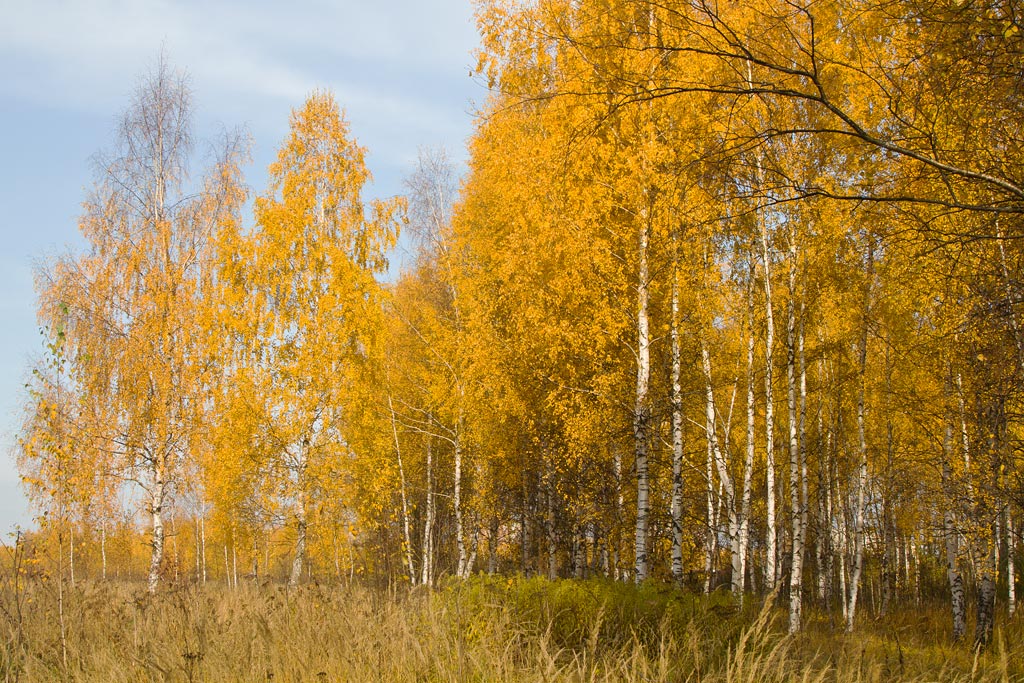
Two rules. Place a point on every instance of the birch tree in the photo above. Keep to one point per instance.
(314, 302)
(133, 296)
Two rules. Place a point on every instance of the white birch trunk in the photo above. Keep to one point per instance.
(1011, 572)
(824, 536)
(965, 439)
(799, 517)
(748, 464)
(300, 543)
(997, 542)
(103, 549)
(858, 515)
(549, 523)
(1018, 338)
(843, 585)
(862, 470)
(712, 544)
(641, 413)
(474, 546)
(156, 507)
(724, 478)
(427, 574)
(794, 446)
(677, 440)
(460, 541)
(994, 425)
(771, 535)
(619, 572)
(202, 540)
(825, 581)
(199, 567)
(985, 616)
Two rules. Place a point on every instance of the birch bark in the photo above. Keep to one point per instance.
(641, 413)
(738, 583)
(156, 507)
(951, 535)
(677, 439)
(721, 467)
(862, 469)
(427, 567)
(771, 536)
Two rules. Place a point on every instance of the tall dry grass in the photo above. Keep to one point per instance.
(482, 630)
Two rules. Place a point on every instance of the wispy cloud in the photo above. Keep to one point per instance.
(398, 67)
(91, 50)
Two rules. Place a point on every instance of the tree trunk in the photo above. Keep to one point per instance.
(492, 546)
(986, 599)
(724, 478)
(842, 532)
(617, 540)
(103, 548)
(300, 545)
(460, 541)
(199, 566)
(824, 523)
(549, 524)
(524, 528)
(579, 552)
(858, 531)
(798, 490)
(748, 464)
(888, 567)
(771, 539)
(641, 413)
(794, 445)
(202, 540)
(994, 422)
(474, 545)
(965, 439)
(825, 581)
(60, 600)
(862, 470)
(592, 548)
(677, 440)
(427, 562)
(711, 546)
(156, 508)
(1011, 571)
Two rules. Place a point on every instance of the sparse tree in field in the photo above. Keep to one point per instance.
(132, 299)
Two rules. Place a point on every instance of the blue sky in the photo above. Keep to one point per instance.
(399, 68)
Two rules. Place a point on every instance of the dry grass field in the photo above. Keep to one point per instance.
(481, 630)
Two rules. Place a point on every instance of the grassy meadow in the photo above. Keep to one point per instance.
(484, 629)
